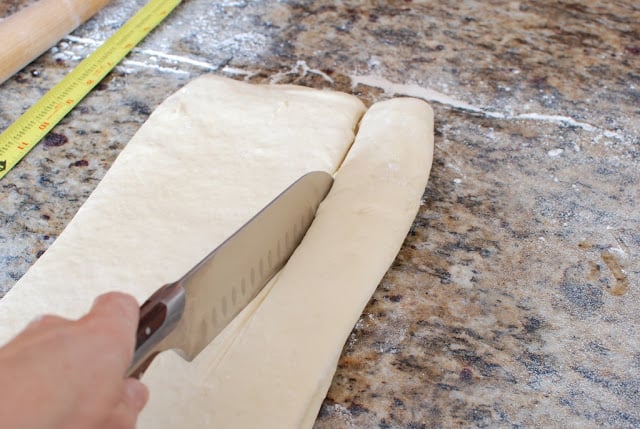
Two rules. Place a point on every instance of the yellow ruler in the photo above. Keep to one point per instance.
(25, 133)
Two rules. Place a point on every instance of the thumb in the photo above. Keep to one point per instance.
(111, 326)
(134, 398)
(135, 395)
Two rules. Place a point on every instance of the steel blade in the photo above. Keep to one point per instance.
(220, 286)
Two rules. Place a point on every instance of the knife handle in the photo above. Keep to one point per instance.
(159, 315)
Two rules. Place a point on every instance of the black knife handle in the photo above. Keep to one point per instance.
(159, 315)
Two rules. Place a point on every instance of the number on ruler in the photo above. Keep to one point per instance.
(29, 129)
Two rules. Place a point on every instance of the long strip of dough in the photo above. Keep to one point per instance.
(274, 371)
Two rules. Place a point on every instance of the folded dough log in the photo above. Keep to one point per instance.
(168, 204)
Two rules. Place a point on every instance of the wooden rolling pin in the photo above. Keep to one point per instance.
(28, 33)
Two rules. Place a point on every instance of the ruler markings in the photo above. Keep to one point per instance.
(30, 128)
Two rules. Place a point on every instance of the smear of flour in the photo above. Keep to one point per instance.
(139, 64)
(238, 72)
(64, 52)
(300, 68)
(83, 40)
(343, 413)
(176, 59)
(417, 91)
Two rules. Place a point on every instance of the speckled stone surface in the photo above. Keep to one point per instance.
(515, 301)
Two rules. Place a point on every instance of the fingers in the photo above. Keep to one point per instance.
(74, 370)
(46, 321)
(112, 321)
(134, 397)
(117, 306)
(40, 328)
(44, 324)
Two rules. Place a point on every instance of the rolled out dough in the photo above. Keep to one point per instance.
(206, 160)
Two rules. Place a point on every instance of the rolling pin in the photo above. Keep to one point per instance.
(28, 33)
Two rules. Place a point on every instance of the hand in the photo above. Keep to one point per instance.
(59, 373)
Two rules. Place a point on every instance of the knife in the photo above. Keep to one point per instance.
(186, 315)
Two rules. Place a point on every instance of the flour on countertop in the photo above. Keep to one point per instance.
(414, 90)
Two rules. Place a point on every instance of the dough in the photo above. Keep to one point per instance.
(204, 162)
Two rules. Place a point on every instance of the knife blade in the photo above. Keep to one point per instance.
(186, 315)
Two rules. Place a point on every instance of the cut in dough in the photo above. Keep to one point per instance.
(207, 159)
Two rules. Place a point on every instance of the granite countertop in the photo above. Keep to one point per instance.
(515, 301)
